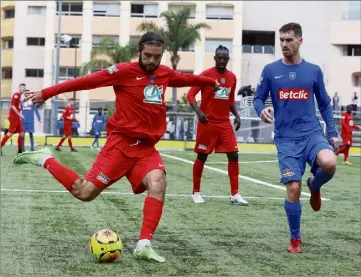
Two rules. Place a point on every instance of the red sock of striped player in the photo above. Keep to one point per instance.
(61, 173)
(197, 175)
(4, 140)
(70, 143)
(152, 212)
(347, 151)
(20, 143)
(60, 142)
(233, 172)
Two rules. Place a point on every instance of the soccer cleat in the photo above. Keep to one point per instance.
(238, 199)
(315, 199)
(347, 162)
(197, 198)
(57, 149)
(74, 150)
(295, 246)
(34, 157)
(147, 253)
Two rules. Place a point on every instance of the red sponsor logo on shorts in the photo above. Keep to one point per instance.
(293, 94)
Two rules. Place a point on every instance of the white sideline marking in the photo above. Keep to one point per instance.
(240, 176)
(250, 162)
(130, 193)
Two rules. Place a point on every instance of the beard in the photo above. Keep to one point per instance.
(146, 67)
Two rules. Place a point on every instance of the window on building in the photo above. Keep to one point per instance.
(219, 12)
(36, 10)
(5, 104)
(353, 50)
(175, 8)
(212, 44)
(35, 41)
(98, 39)
(134, 39)
(7, 72)
(70, 8)
(190, 48)
(144, 10)
(106, 9)
(8, 43)
(66, 73)
(9, 13)
(258, 42)
(34, 73)
(354, 10)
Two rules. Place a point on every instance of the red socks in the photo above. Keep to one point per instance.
(197, 175)
(20, 143)
(4, 140)
(233, 172)
(152, 212)
(347, 151)
(70, 144)
(344, 150)
(61, 173)
(60, 142)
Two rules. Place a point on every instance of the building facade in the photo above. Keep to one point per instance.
(249, 29)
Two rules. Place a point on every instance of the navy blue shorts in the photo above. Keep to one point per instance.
(29, 127)
(293, 154)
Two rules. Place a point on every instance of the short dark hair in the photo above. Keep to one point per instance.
(221, 47)
(150, 38)
(22, 84)
(295, 27)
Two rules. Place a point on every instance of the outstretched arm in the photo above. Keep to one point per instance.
(189, 80)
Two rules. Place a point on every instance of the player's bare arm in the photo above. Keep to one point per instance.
(237, 120)
(201, 115)
(16, 111)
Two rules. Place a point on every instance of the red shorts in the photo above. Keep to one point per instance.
(218, 137)
(112, 163)
(16, 126)
(68, 131)
(346, 140)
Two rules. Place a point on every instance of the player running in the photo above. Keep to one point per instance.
(137, 125)
(68, 116)
(293, 83)
(214, 130)
(98, 126)
(346, 133)
(28, 110)
(15, 117)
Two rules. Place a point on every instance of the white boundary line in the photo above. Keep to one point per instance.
(132, 194)
(250, 162)
(240, 176)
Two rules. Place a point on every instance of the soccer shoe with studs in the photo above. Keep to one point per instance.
(147, 253)
(238, 199)
(33, 157)
(315, 199)
(347, 163)
(197, 198)
(295, 246)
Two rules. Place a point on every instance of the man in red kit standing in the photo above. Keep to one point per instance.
(137, 125)
(214, 131)
(68, 116)
(346, 133)
(15, 116)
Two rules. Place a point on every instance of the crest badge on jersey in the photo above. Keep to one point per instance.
(153, 94)
(223, 93)
(292, 75)
(223, 81)
(112, 69)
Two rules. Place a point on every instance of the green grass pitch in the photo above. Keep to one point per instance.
(45, 231)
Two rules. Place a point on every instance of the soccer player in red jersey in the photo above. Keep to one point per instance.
(346, 133)
(214, 131)
(68, 116)
(15, 116)
(137, 125)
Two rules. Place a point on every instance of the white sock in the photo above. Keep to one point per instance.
(44, 159)
(142, 243)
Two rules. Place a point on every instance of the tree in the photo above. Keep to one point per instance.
(178, 34)
(107, 53)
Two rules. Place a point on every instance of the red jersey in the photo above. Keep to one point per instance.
(347, 125)
(68, 112)
(216, 105)
(139, 96)
(15, 101)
